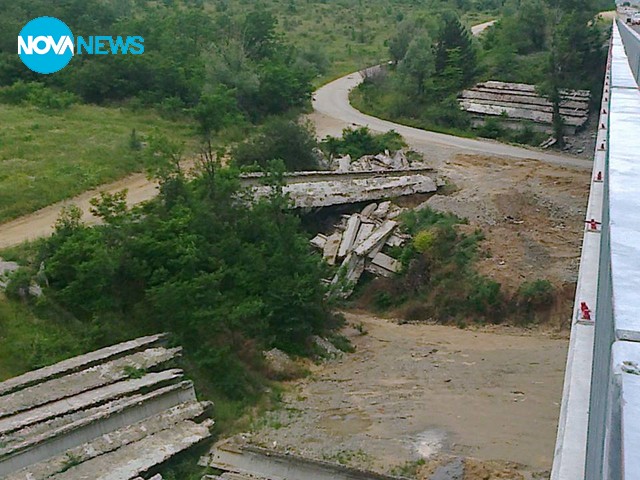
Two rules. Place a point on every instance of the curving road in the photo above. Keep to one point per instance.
(333, 112)
(332, 101)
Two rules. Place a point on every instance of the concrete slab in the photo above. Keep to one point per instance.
(331, 248)
(138, 457)
(349, 236)
(37, 443)
(80, 362)
(88, 379)
(379, 236)
(88, 399)
(112, 441)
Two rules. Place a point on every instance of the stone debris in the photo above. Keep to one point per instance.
(520, 103)
(112, 414)
(370, 178)
(372, 163)
(358, 243)
(6, 269)
(328, 349)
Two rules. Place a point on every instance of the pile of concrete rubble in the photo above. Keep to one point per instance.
(369, 163)
(358, 243)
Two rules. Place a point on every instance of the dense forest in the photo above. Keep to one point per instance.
(551, 44)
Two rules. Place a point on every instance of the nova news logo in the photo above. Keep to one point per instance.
(46, 45)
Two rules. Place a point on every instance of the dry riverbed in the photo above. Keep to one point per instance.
(418, 391)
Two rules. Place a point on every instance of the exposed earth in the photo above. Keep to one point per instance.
(418, 391)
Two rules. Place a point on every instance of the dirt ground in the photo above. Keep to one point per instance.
(531, 213)
(417, 391)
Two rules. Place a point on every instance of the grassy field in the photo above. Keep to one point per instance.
(351, 34)
(46, 157)
(31, 339)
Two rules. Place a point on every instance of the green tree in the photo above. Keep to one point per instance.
(454, 39)
(280, 139)
(418, 63)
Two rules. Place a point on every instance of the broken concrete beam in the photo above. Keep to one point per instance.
(331, 248)
(386, 262)
(396, 240)
(319, 241)
(87, 399)
(379, 236)
(366, 229)
(349, 273)
(382, 210)
(113, 440)
(349, 236)
(368, 210)
(324, 193)
(78, 363)
(138, 457)
(232, 457)
(88, 379)
(37, 443)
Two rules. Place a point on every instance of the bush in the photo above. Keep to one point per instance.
(359, 142)
(492, 128)
(38, 95)
(280, 139)
(535, 294)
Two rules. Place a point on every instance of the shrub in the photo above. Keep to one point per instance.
(280, 139)
(537, 293)
(38, 95)
(359, 142)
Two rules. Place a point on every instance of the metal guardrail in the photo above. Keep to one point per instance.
(599, 427)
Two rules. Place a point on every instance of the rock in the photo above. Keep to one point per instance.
(280, 364)
(6, 269)
(326, 347)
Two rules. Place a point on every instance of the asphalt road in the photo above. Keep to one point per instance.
(332, 100)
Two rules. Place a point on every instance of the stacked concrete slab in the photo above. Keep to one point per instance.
(113, 414)
(358, 243)
(516, 103)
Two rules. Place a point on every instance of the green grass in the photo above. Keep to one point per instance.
(352, 34)
(30, 340)
(46, 157)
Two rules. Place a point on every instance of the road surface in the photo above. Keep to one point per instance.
(481, 27)
(332, 102)
(332, 113)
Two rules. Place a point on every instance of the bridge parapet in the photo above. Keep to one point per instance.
(599, 427)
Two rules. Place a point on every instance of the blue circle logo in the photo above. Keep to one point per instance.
(45, 45)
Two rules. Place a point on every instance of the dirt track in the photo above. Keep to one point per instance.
(418, 391)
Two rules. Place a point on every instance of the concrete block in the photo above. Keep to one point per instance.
(349, 236)
(331, 248)
(78, 363)
(319, 241)
(388, 263)
(368, 210)
(366, 229)
(125, 463)
(88, 379)
(379, 236)
(87, 399)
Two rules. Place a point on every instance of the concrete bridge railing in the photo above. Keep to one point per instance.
(599, 427)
